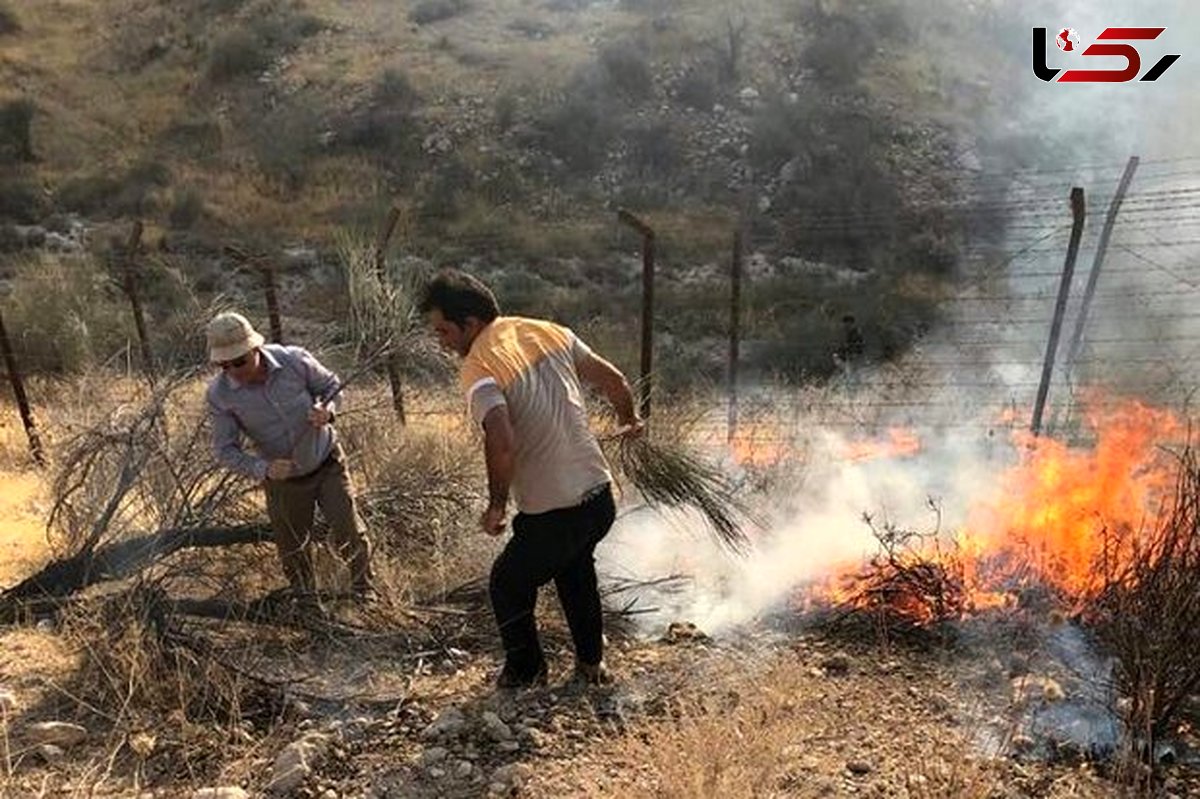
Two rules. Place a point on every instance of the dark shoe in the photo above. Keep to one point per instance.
(365, 594)
(592, 674)
(510, 679)
(306, 607)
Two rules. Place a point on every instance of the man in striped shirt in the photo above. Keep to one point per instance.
(280, 399)
(522, 380)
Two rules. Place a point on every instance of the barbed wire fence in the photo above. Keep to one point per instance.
(987, 350)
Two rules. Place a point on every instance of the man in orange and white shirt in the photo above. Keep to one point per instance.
(523, 382)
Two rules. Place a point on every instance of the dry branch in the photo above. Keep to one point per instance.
(121, 559)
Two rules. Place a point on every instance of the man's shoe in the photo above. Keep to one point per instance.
(307, 607)
(365, 594)
(511, 679)
(592, 674)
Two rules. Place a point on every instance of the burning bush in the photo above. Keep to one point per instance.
(1149, 612)
(911, 583)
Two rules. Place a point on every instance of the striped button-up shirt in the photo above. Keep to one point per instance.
(272, 414)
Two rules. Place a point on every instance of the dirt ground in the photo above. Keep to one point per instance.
(768, 712)
(400, 704)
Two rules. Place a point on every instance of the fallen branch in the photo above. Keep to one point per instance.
(115, 561)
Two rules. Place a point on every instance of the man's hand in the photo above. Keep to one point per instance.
(280, 469)
(493, 520)
(319, 416)
(633, 429)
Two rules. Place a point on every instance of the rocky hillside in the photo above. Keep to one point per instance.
(510, 130)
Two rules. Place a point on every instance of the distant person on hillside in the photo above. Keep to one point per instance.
(852, 346)
(278, 398)
(522, 379)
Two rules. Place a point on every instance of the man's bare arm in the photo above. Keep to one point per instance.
(608, 379)
(499, 452)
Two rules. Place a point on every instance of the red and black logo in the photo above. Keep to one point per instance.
(1112, 42)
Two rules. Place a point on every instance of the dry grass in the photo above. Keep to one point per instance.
(763, 733)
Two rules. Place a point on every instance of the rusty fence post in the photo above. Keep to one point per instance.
(647, 358)
(270, 289)
(392, 364)
(735, 331)
(131, 291)
(18, 387)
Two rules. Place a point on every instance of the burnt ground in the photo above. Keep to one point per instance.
(990, 709)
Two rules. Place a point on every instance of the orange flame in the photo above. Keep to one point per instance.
(900, 443)
(1063, 517)
(1056, 510)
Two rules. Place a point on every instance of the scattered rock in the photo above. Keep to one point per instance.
(837, 664)
(296, 762)
(680, 631)
(50, 754)
(514, 775)
(496, 729)
(859, 768)
(57, 733)
(227, 792)
(433, 755)
(449, 724)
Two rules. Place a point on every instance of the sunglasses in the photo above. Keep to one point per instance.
(236, 363)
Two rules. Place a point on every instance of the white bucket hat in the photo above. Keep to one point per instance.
(230, 336)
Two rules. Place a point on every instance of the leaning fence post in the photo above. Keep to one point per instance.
(18, 387)
(130, 279)
(1079, 212)
(392, 365)
(647, 234)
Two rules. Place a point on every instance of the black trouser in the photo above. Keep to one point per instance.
(557, 545)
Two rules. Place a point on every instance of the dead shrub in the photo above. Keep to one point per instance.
(137, 667)
(1148, 615)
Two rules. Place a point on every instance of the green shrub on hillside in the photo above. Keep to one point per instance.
(195, 138)
(250, 50)
(628, 70)
(285, 141)
(103, 195)
(16, 138)
(426, 11)
(8, 21)
(64, 315)
(236, 54)
(387, 126)
(578, 129)
(698, 88)
(22, 201)
(186, 209)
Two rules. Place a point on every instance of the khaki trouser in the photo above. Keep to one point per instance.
(290, 506)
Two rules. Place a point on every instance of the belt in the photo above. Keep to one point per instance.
(332, 457)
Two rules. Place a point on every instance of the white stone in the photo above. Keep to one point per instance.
(58, 733)
(225, 792)
(50, 753)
